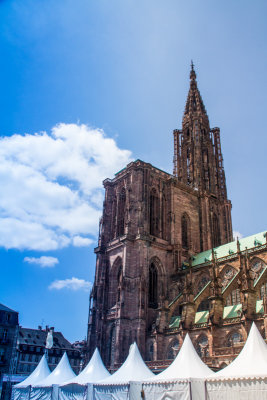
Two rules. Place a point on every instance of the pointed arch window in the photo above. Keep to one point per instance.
(188, 163)
(216, 237)
(164, 216)
(204, 305)
(114, 217)
(263, 291)
(112, 346)
(153, 286)
(202, 346)
(119, 284)
(234, 338)
(154, 213)
(233, 298)
(257, 266)
(185, 231)
(121, 213)
(173, 349)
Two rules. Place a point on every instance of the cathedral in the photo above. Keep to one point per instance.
(166, 262)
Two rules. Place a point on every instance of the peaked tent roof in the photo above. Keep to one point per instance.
(93, 372)
(133, 368)
(62, 373)
(40, 373)
(251, 361)
(187, 364)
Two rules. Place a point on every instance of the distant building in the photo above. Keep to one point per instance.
(31, 347)
(8, 332)
(22, 348)
(9, 324)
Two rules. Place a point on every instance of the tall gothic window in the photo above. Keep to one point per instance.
(234, 338)
(185, 231)
(202, 346)
(263, 290)
(164, 216)
(257, 266)
(188, 162)
(204, 305)
(121, 213)
(119, 284)
(112, 346)
(173, 349)
(114, 217)
(153, 286)
(154, 213)
(216, 237)
(233, 298)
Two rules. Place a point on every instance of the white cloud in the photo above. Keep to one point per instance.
(44, 261)
(79, 241)
(53, 194)
(237, 234)
(72, 284)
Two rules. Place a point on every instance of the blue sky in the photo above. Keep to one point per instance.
(87, 86)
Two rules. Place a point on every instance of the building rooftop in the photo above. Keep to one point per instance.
(37, 337)
(5, 308)
(227, 249)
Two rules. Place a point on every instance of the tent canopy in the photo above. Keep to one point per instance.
(62, 373)
(187, 364)
(251, 361)
(41, 372)
(93, 372)
(133, 368)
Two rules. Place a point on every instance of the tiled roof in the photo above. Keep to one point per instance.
(5, 308)
(232, 311)
(175, 322)
(37, 337)
(259, 307)
(201, 317)
(230, 248)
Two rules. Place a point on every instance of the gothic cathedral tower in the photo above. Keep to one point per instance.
(152, 223)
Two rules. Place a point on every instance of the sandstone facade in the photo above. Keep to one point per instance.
(166, 264)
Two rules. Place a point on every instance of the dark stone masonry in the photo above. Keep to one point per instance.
(166, 261)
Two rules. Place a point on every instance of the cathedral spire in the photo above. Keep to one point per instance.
(194, 104)
(198, 158)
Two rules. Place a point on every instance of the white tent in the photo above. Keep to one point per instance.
(82, 385)
(183, 379)
(117, 385)
(246, 376)
(93, 372)
(187, 364)
(21, 390)
(48, 388)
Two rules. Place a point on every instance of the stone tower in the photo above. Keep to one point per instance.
(152, 223)
(198, 163)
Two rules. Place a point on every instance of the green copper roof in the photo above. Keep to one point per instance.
(259, 307)
(230, 248)
(175, 322)
(232, 311)
(201, 317)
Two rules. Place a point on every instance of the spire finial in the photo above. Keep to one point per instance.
(192, 72)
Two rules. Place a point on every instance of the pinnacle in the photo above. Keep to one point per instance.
(194, 101)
